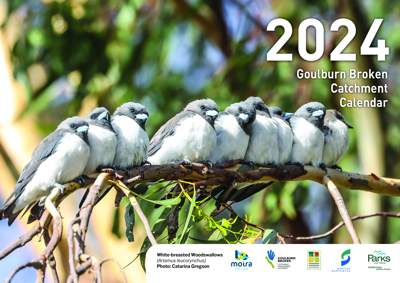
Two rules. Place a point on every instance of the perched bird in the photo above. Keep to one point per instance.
(188, 136)
(128, 122)
(59, 158)
(233, 128)
(336, 137)
(270, 143)
(308, 142)
(102, 140)
(263, 145)
(285, 135)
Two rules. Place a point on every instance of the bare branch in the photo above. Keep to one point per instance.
(139, 212)
(337, 197)
(341, 224)
(242, 173)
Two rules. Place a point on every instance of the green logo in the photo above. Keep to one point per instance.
(270, 258)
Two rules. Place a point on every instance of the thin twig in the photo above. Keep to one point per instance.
(337, 197)
(341, 224)
(139, 212)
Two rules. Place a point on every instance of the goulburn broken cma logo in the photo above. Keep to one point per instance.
(242, 261)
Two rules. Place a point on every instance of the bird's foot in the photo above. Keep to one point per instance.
(337, 167)
(323, 167)
(209, 163)
(184, 162)
(251, 164)
(81, 180)
(113, 172)
(106, 170)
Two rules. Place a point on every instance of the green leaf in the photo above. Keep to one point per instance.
(166, 202)
(124, 202)
(215, 236)
(116, 229)
(143, 251)
(129, 222)
(189, 217)
(270, 237)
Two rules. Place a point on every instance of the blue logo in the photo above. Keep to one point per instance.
(241, 255)
(270, 258)
(345, 257)
(242, 261)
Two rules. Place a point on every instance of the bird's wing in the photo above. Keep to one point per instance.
(41, 153)
(166, 130)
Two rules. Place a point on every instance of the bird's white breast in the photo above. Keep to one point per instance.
(263, 146)
(65, 164)
(336, 142)
(132, 142)
(232, 141)
(308, 142)
(285, 140)
(193, 140)
(103, 144)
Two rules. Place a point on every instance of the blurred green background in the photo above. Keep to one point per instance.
(63, 57)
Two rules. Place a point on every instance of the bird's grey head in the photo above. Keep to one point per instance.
(258, 104)
(332, 115)
(314, 112)
(101, 116)
(76, 125)
(245, 114)
(135, 111)
(206, 108)
(275, 110)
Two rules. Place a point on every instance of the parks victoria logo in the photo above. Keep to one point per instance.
(242, 261)
(344, 262)
(279, 262)
(314, 260)
(379, 260)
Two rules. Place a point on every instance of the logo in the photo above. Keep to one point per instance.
(279, 262)
(241, 255)
(344, 262)
(270, 258)
(242, 261)
(345, 257)
(314, 260)
(379, 260)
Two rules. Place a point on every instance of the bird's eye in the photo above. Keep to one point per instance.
(240, 109)
(202, 107)
(309, 109)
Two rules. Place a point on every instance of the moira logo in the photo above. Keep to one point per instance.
(378, 257)
(241, 261)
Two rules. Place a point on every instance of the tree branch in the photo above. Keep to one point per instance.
(340, 225)
(242, 173)
(337, 197)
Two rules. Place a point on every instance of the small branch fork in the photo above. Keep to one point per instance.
(203, 178)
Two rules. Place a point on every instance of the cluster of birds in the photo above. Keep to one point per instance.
(247, 130)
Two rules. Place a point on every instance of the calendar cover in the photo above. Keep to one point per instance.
(190, 140)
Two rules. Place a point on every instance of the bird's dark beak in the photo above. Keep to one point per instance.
(83, 131)
(141, 119)
(287, 115)
(243, 118)
(348, 125)
(211, 115)
(318, 114)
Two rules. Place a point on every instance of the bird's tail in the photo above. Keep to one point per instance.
(6, 212)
